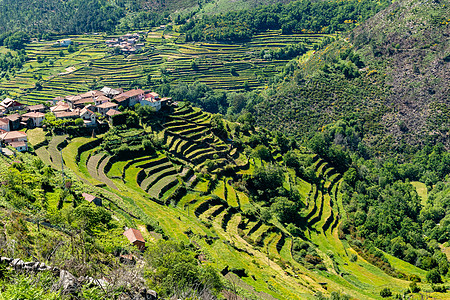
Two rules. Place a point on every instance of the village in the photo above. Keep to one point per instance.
(88, 107)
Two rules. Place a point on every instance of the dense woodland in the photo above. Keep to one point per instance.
(297, 16)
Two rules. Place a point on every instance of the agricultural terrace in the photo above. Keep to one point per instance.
(192, 186)
(230, 66)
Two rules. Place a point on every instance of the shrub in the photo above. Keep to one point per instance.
(386, 292)
(433, 276)
(438, 288)
(413, 287)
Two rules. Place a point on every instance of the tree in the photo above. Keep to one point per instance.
(61, 53)
(262, 152)
(71, 49)
(433, 276)
(386, 292)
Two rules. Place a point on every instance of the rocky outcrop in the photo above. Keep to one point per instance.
(68, 283)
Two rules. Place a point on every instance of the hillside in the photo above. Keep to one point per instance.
(273, 219)
(391, 74)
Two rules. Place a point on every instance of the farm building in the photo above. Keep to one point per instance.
(14, 121)
(129, 98)
(63, 43)
(112, 112)
(4, 124)
(67, 114)
(16, 139)
(135, 238)
(36, 118)
(152, 99)
(105, 107)
(11, 105)
(60, 107)
(92, 199)
(38, 107)
(110, 92)
(88, 116)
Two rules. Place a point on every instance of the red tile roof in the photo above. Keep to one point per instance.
(13, 135)
(88, 197)
(112, 112)
(129, 94)
(107, 105)
(67, 114)
(133, 235)
(34, 114)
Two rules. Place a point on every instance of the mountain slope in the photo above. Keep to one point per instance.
(391, 75)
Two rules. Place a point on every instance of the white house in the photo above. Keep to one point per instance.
(151, 99)
(16, 139)
(88, 116)
(36, 116)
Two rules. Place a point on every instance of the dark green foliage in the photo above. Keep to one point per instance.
(89, 217)
(10, 62)
(386, 292)
(297, 16)
(433, 276)
(175, 270)
(72, 16)
(414, 288)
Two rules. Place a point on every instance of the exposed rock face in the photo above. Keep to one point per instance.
(68, 283)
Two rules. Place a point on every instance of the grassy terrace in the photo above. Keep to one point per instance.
(75, 72)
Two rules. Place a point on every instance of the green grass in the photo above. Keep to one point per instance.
(422, 191)
(35, 136)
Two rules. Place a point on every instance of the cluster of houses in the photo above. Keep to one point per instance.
(128, 43)
(87, 106)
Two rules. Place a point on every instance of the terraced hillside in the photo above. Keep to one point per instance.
(222, 66)
(185, 188)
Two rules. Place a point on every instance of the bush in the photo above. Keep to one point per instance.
(386, 292)
(439, 288)
(433, 276)
(413, 287)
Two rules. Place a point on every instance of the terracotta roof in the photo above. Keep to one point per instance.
(86, 109)
(107, 105)
(13, 117)
(34, 114)
(88, 197)
(58, 98)
(133, 235)
(84, 100)
(120, 98)
(73, 98)
(60, 106)
(36, 107)
(4, 121)
(102, 98)
(112, 112)
(13, 135)
(67, 114)
(154, 94)
(132, 93)
(91, 94)
(18, 144)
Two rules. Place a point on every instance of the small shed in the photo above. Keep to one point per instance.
(135, 238)
(92, 199)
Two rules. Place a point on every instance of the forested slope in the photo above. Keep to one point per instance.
(391, 74)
